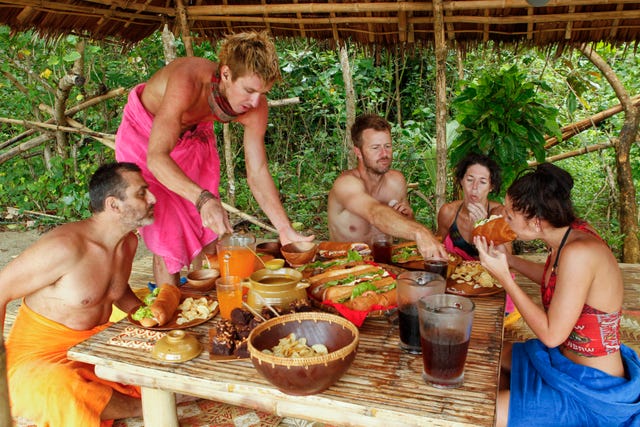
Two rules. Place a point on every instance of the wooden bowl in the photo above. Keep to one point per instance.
(269, 248)
(306, 375)
(204, 279)
(299, 253)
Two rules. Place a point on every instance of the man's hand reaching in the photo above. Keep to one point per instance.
(215, 217)
(290, 235)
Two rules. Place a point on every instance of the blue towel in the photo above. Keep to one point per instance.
(547, 389)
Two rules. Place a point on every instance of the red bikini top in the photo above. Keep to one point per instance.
(595, 333)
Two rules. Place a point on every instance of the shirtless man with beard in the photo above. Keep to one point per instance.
(372, 198)
(69, 281)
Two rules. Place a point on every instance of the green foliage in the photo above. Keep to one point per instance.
(503, 116)
(504, 111)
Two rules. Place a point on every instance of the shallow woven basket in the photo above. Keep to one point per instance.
(308, 375)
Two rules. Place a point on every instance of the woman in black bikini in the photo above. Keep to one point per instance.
(477, 176)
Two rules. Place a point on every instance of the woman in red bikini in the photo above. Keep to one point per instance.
(576, 372)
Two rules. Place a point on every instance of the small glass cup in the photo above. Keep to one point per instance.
(445, 331)
(381, 248)
(437, 266)
(229, 293)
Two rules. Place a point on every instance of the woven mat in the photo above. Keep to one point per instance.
(200, 413)
(207, 413)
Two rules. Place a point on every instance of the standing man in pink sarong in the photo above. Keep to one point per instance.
(167, 129)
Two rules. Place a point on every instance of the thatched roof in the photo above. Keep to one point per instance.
(368, 22)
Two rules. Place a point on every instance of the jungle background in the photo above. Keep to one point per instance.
(43, 182)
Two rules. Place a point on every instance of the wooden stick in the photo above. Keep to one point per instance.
(255, 313)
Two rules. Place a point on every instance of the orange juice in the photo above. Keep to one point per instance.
(229, 293)
(236, 261)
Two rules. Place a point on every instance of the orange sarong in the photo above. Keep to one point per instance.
(44, 385)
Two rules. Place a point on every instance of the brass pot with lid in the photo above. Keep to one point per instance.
(278, 288)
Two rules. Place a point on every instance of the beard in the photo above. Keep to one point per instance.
(136, 218)
(375, 167)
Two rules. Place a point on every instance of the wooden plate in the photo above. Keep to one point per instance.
(471, 289)
(468, 285)
(172, 324)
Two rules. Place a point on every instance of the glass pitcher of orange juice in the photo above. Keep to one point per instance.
(236, 254)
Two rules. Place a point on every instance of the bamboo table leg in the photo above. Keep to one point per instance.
(159, 408)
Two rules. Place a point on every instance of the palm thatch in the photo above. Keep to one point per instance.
(366, 22)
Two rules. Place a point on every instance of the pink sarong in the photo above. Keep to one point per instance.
(177, 234)
(44, 385)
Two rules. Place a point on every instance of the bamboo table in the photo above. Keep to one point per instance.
(383, 386)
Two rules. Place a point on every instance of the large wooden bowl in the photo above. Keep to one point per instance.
(307, 375)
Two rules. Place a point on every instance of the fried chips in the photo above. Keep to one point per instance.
(293, 347)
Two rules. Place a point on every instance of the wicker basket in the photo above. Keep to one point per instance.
(308, 375)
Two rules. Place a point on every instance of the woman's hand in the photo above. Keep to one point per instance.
(493, 258)
(477, 211)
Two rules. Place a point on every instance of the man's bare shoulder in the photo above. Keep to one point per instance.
(187, 66)
(348, 177)
(65, 240)
(179, 72)
(395, 175)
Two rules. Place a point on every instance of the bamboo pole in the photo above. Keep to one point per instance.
(441, 105)
(181, 12)
(24, 147)
(350, 104)
(29, 123)
(574, 153)
(582, 125)
(70, 112)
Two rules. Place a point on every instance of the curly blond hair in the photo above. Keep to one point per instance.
(250, 53)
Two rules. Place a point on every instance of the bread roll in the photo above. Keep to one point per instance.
(495, 230)
(166, 303)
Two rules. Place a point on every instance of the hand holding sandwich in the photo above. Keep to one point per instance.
(159, 306)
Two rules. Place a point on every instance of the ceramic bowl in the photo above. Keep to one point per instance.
(305, 375)
(299, 253)
(176, 346)
(204, 279)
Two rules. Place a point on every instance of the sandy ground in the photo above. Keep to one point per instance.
(12, 243)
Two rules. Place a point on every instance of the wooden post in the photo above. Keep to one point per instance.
(228, 160)
(350, 100)
(441, 104)
(184, 27)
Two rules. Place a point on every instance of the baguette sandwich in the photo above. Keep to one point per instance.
(405, 252)
(159, 306)
(317, 267)
(495, 229)
(359, 287)
(330, 250)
